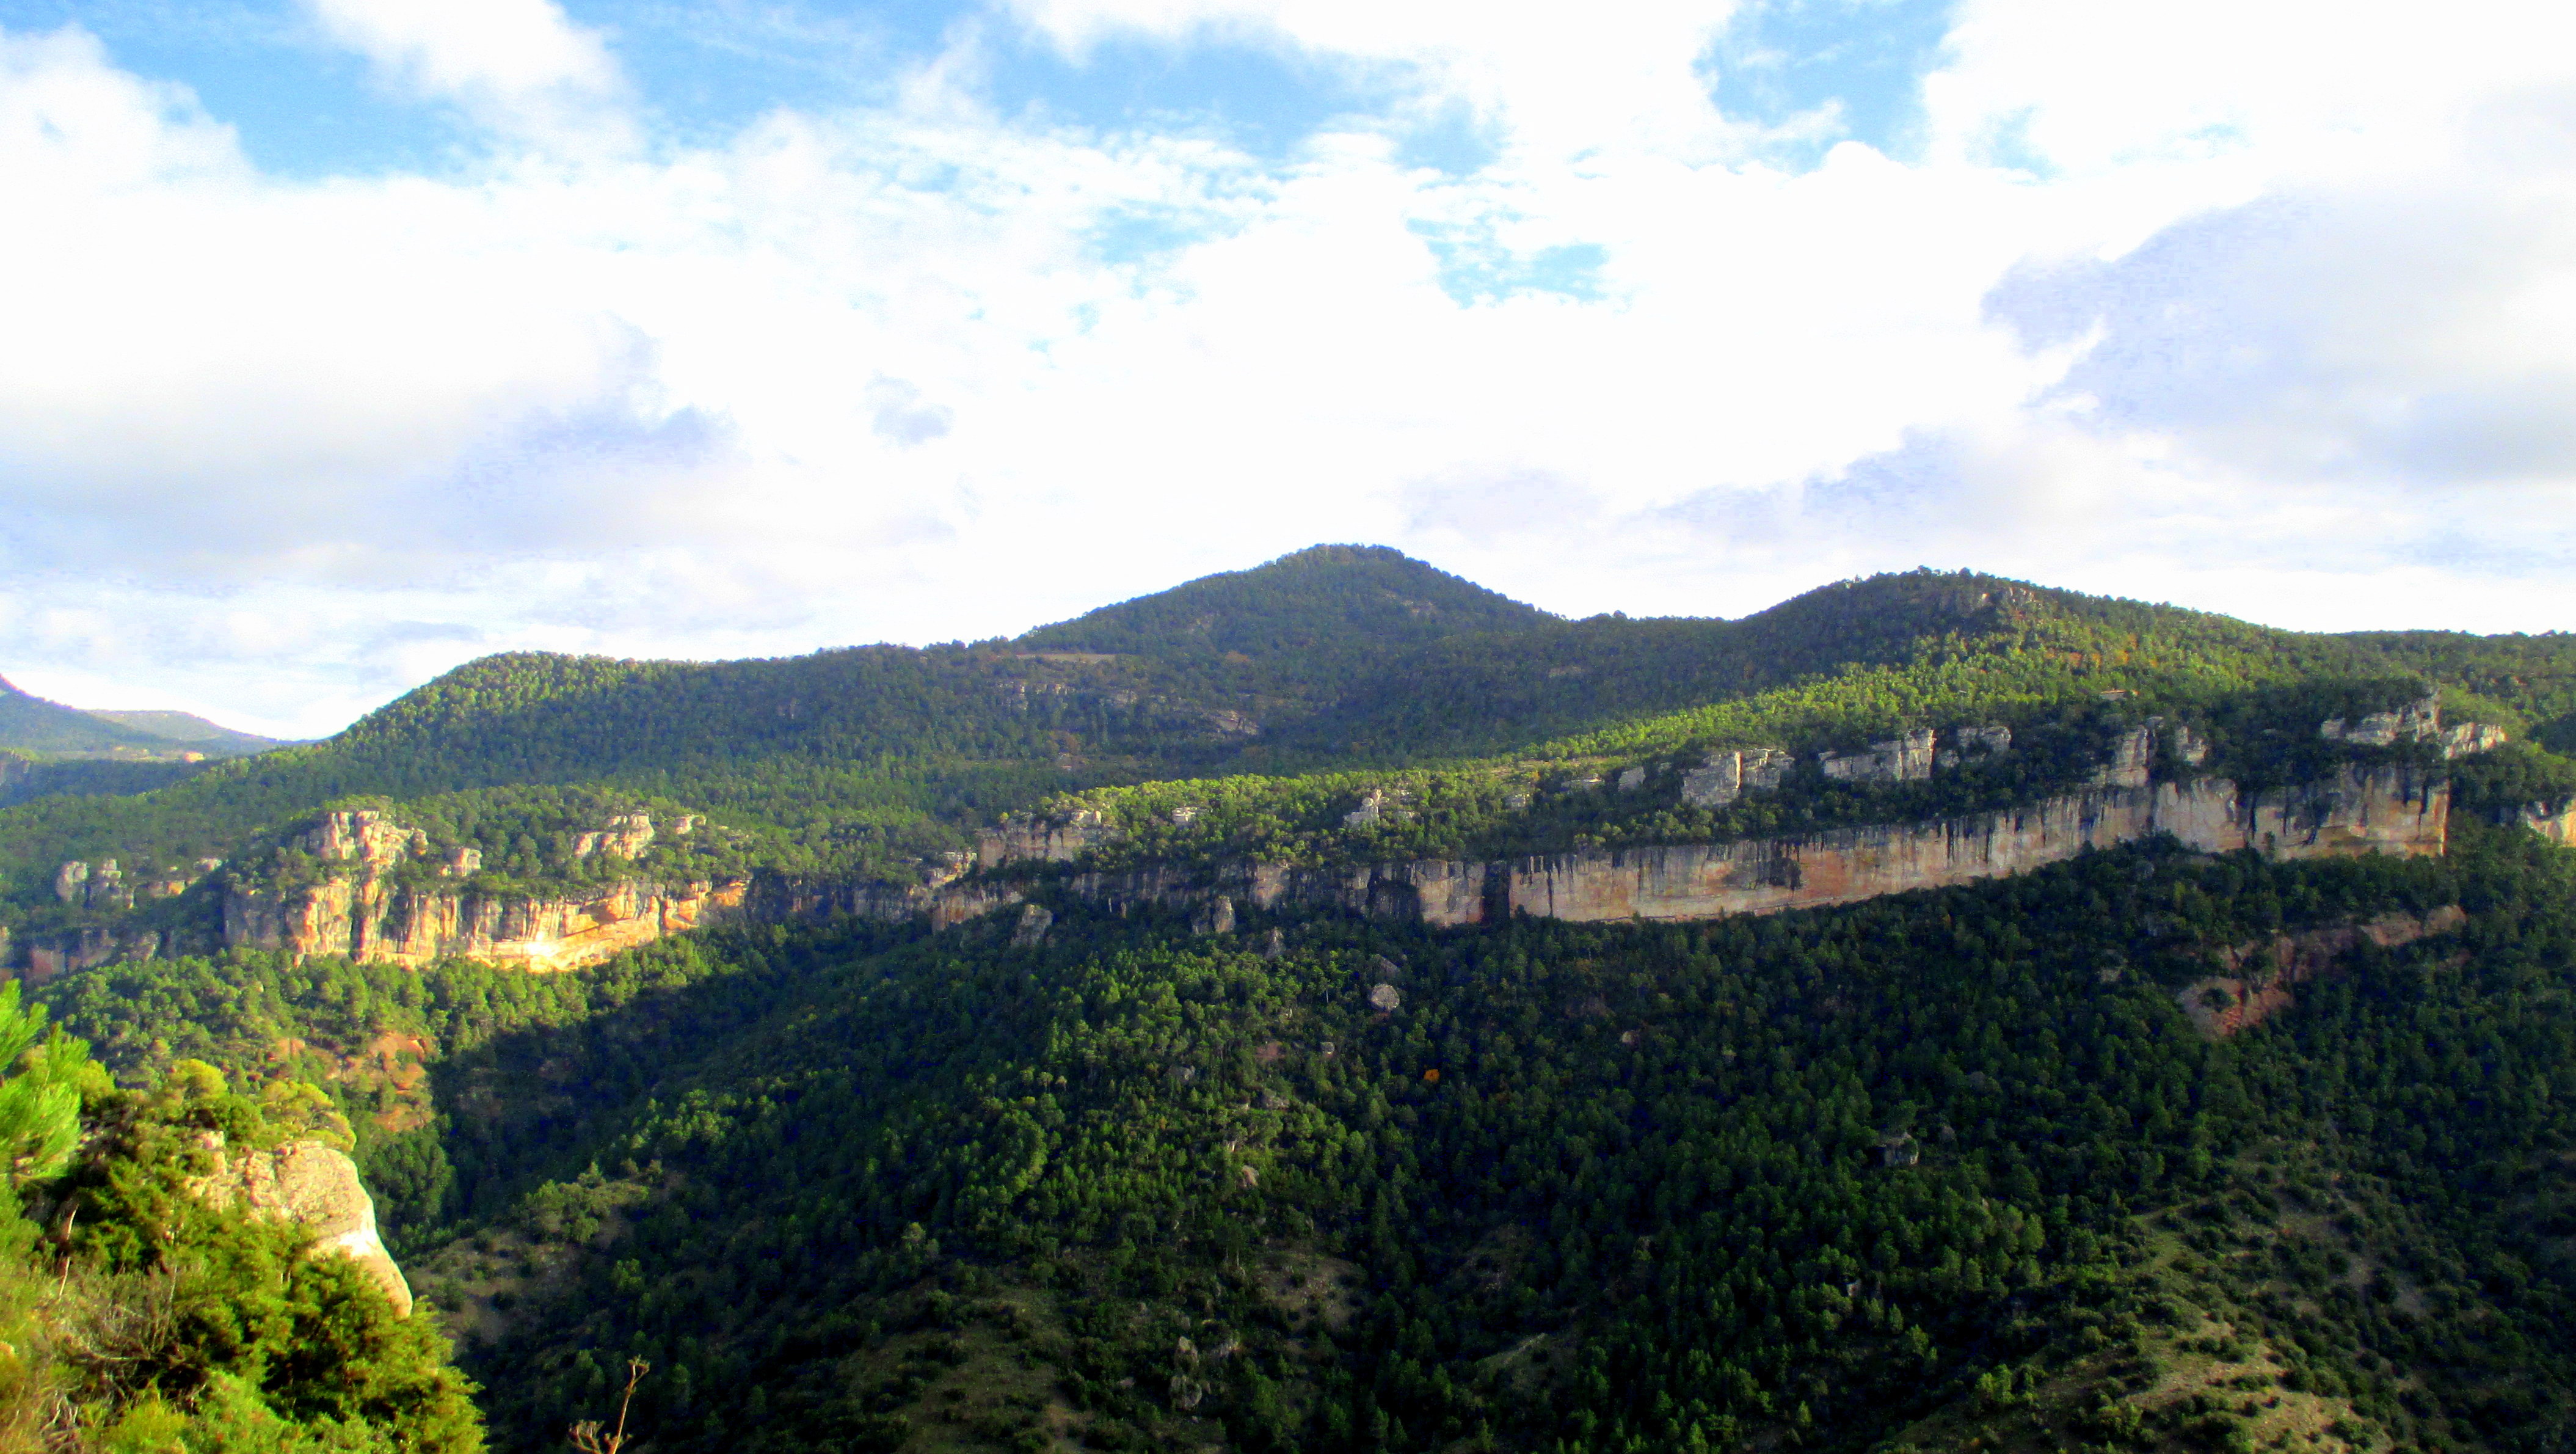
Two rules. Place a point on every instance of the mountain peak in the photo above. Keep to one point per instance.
(1333, 599)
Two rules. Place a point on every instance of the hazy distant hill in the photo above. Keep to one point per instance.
(29, 723)
(189, 730)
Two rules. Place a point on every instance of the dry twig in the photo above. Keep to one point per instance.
(586, 1436)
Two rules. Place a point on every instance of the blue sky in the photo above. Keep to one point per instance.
(365, 336)
(306, 107)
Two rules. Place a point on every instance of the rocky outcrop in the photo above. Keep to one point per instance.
(1730, 775)
(312, 1184)
(360, 835)
(2362, 810)
(367, 912)
(380, 920)
(40, 957)
(374, 919)
(1903, 759)
(2553, 821)
(2257, 984)
(1043, 840)
(2417, 721)
(627, 836)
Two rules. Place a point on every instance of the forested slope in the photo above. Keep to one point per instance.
(1947, 1167)
(1282, 696)
(30, 724)
(2147, 1150)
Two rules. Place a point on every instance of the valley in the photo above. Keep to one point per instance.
(1331, 1006)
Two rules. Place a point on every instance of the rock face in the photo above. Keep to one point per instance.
(1899, 760)
(627, 836)
(2361, 810)
(2257, 985)
(2555, 822)
(369, 919)
(373, 920)
(310, 1183)
(1968, 744)
(1730, 775)
(373, 915)
(359, 835)
(2418, 721)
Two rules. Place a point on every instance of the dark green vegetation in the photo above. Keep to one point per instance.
(1942, 1167)
(32, 726)
(189, 730)
(874, 761)
(138, 1314)
(1947, 1170)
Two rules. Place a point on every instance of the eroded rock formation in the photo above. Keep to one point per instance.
(2257, 984)
(369, 912)
(2553, 821)
(309, 1183)
(2361, 810)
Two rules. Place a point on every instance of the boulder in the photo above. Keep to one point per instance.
(312, 1184)
(1035, 920)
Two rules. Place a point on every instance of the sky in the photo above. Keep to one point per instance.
(343, 341)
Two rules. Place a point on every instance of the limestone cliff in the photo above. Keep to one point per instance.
(310, 1183)
(2361, 810)
(368, 918)
(364, 909)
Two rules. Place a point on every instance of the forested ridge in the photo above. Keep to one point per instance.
(1957, 1169)
(1286, 686)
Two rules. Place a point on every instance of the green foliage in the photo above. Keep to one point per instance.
(41, 1078)
(32, 724)
(1943, 1167)
(135, 1313)
(1648, 1168)
(2517, 777)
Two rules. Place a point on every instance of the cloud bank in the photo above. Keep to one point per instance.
(2258, 308)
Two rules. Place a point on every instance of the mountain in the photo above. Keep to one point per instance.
(1333, 1007)
(855, 769)
(29, 723)
(189, 730)
(1308, 624)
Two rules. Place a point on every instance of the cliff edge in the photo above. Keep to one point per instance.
(317, 1186)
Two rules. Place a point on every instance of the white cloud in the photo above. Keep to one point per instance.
(281, 448)
(520, 65)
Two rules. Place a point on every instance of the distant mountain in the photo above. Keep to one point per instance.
(29, 723)
(188, 730)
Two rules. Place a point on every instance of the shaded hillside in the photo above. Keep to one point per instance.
(31, 724)
(1492, 692)
(189, 730)
(1944, 1169)
(885, 761)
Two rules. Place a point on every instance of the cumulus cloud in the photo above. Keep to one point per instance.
(517, 65)
(2249, 333)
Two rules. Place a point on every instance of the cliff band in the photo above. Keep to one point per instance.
(365, 914)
